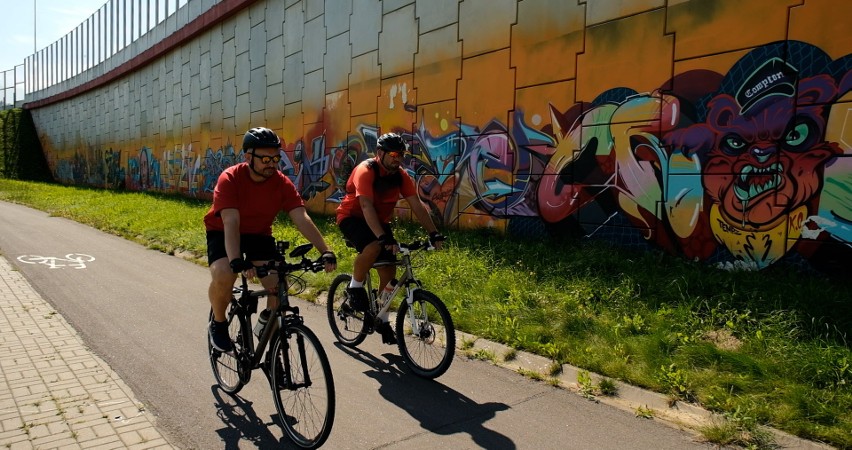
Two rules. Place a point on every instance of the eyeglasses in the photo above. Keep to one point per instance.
(267, 159)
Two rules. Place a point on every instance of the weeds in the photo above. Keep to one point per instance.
(510, 354)
(584, 382)
(675, 382)
(482, 355)
(738, 429)
(467, 344)
(607, 387)
(531, 374)
(645, 412)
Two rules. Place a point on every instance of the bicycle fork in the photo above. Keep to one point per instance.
(412, 315)
(286, 365)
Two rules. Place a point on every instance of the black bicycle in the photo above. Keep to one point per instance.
(424, 328)
(295, 363)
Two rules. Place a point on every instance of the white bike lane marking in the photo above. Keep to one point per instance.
(74, 260)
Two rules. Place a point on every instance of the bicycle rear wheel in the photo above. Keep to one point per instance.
(428, 353)
(227, 367)
(347, 325)
(302, 386)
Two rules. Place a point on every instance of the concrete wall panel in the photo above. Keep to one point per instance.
(438, 65)
(365, 24)
(364, 82)
(314, 45)
(482, 25)
(398, 42)
(434, 14)
(538, 117)
(338, 62)
(337, 14)
(599, 11)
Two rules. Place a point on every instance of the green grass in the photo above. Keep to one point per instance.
(770, 347)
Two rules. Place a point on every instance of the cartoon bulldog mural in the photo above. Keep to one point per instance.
(741, 169)
(764, 152)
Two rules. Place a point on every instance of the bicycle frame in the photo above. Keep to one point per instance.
(283, 316)
(407, 280)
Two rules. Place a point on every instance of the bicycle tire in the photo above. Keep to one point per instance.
(347, 326)
(430, 354)
(305, 410)
(227, 367)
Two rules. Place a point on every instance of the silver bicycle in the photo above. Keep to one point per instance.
(423, 327)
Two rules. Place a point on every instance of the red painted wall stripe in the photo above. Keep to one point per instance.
(200, 24)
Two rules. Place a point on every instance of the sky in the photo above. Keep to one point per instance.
(54, 19)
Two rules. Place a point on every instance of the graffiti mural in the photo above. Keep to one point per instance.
(645, 127)
(144, 171)
(97, 168)
(214, 163)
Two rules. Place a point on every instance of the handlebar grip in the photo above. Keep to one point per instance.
(318, 265)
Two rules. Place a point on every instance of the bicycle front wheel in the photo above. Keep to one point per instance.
(227, 367)
(302, 386)
(425, 335)
(347, 325)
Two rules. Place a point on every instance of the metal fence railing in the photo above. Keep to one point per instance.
(113, 27)
(12, 85)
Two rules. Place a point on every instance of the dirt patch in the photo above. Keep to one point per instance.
(723, 339)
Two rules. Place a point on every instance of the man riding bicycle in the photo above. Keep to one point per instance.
(364, 214)
(247, 198)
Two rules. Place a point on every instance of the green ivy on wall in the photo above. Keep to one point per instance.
(21, 155)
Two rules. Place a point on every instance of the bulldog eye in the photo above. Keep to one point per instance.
(733, 144)
(798, 136)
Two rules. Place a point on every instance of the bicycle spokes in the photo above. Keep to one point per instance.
(428, 342)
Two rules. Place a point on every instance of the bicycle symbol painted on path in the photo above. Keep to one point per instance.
(75, 260)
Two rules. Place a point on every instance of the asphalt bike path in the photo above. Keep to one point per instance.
(145, 314)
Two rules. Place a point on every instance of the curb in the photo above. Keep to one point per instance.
(677, 414)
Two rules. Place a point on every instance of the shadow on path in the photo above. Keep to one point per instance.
(242, 424)
(439, 409)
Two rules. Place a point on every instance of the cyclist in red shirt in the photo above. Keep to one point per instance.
(247, 198)
(364, 214)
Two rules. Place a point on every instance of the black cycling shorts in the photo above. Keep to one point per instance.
(356, 231)
(255, 247)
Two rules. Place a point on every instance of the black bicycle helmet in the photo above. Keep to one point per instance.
(391, 142)
(260, 137)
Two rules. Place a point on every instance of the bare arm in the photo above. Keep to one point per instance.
(370, 215)
(423, 216)
(231, 220)
(309, 230)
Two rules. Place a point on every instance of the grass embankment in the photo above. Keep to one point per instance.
(761, 348)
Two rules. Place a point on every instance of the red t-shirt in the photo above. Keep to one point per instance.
(258, 203)
(361, 183)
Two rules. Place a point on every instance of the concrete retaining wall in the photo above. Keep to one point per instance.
(719, 131)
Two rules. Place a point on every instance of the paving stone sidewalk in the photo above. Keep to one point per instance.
(54, 392)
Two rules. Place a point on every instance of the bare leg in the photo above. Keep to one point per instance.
(221, 286)
(364, 261)
(386, 274)
(270, 283)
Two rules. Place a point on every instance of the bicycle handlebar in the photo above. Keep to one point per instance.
(425, 244)
(277, 266)
(280, 264)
